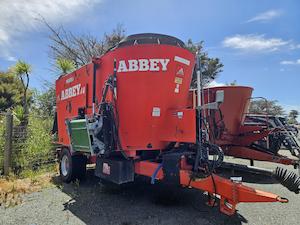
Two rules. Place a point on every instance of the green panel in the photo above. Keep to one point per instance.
(80, 138)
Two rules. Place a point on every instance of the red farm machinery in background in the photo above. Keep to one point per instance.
(130, 111)
(244, 135)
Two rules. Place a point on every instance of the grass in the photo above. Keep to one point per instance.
(12, 188)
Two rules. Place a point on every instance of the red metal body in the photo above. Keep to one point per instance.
(151, 100)
(227, 128)
(153, 109)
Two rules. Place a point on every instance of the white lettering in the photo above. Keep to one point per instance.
(133, 65)
(164, 63)
(77, 88)
(72, 92)
(144, 64)
(66, 93)
(154, 65)
(122, 66)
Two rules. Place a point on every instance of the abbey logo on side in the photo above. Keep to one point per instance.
(152, 65)
(141, 65)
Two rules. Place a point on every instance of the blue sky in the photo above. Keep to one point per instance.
(257, 41)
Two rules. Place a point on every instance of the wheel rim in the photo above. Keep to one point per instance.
(64, 165)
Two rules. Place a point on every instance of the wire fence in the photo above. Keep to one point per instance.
(2, 140)
(31, 143)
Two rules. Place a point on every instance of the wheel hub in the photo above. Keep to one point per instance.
(64, 165)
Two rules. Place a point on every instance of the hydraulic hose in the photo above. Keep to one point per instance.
(155, 173)
(289, 179)
(219, 152)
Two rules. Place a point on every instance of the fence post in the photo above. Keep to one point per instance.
(8, 143)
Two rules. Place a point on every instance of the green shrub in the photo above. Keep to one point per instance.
(2, 140)
(32, 144)
(37, 148)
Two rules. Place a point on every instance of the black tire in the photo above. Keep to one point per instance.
(71, 167)
(79, 162)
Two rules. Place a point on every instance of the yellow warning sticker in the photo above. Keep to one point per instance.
(178, 80)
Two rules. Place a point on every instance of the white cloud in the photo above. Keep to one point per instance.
(294, 46)
(265, 16)
(11, 59)
(18, 17)
(215, 84)
(290, 62)
(253, 42)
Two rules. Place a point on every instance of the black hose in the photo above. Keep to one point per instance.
(219, 152)
(289, 179)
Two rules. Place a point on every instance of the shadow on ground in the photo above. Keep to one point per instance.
(249, 177)
(140, 203)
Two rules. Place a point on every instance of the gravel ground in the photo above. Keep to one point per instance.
(141, 203)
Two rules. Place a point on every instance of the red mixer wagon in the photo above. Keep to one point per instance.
(129, 112)
(230, 130)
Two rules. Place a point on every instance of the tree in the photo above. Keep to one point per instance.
(45, 102)
(210, 67)
(232, 83)
(80, 49)
(10, 91)
(264, 106)
(22, 70)
(65, 65)
(70, 51)
(293, 116)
